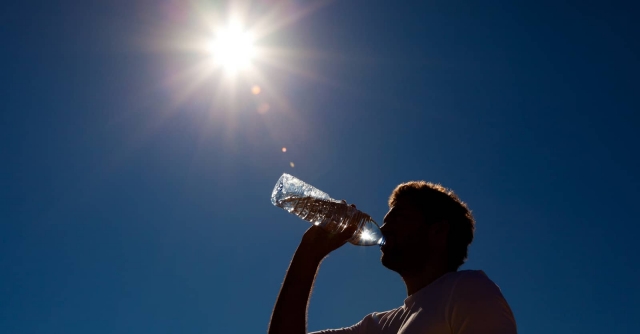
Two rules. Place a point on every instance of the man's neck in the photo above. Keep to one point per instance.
(419, 280)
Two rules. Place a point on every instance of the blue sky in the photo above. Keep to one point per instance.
(135, 192)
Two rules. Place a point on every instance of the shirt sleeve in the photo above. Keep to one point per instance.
(477, 306)
(346, 330)
(368, 325)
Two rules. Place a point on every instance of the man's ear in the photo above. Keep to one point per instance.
(440, 230)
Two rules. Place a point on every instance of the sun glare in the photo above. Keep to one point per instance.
(366, 235)
(227, 52)
(233, 48)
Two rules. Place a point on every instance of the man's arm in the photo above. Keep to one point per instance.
(290, 313)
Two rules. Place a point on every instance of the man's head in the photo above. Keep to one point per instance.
(426, 223)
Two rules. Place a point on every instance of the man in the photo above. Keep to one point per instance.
(427, 231)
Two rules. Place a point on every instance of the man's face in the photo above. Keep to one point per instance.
(406, 234)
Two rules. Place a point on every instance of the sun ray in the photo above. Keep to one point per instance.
(222, 73)
(299, 71)
(189, 80)
(275, 20)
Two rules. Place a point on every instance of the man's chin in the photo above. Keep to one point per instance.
(389, 262)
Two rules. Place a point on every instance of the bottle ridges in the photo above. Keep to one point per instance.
(333, 217)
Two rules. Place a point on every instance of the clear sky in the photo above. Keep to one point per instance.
(135, 175)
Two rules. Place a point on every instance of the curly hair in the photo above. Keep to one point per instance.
(438, 203)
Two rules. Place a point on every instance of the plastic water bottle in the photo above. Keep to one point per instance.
(318, 208)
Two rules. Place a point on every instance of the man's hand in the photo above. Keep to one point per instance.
(318, 243)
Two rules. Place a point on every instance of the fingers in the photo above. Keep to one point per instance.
(345, 202)
(349, 230)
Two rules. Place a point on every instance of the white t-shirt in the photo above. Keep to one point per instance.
(463, 302)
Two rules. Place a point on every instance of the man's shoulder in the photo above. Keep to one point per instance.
(384, 315)
(466, 277)
(469, 284)
(471, 273)
(476, 304)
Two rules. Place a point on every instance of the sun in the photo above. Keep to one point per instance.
(215, 54)
(233, 48)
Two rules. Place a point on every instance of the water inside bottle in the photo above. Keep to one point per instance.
(334, 217)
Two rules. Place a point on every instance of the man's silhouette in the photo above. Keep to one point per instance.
(427, 230)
